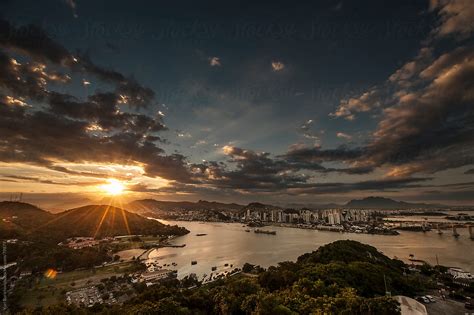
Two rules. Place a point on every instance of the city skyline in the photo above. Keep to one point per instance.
(312, 104)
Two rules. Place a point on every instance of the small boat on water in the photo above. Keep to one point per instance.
(214, 268)
(247, 230)
(194, 262)
(455, 232)
(265, 232)
(201, 234)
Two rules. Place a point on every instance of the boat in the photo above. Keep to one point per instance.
(194, 262)
(225, 265)
(201, 234)
(439, 230)
(265, 232)
(247, 230)
(214, 268)
(455, 232)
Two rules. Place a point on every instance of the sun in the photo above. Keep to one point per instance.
(114, 187)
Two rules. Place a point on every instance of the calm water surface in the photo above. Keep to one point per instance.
(228, 243)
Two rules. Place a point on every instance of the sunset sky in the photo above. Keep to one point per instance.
(237, 101)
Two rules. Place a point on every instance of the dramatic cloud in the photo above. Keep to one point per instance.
(422, 121)
(457, 17)
(64, 128)
(366, 102)
(430, 129)
(427, 118)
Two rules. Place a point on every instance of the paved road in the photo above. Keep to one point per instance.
(447, 307)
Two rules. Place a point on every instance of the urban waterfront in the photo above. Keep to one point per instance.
(229, 243)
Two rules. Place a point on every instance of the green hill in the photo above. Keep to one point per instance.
(22, 220)
(102, 220)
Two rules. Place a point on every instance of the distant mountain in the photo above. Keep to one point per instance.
(386, 203)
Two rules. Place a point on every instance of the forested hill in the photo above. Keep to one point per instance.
(103, 220)
(25, 220)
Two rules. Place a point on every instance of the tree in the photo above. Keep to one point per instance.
(247, 268)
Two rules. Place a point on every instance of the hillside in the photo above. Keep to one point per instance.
(25, 220)
(103, 220)
(18, 218)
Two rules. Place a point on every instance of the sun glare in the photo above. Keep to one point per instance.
(114, 187)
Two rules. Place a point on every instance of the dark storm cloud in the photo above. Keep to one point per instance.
(316, 154)
(81, 173)
(103, 109)
(252, 171)
(69, 129)
(295, 189)
(42, 138)
(26, 80)
(51, 182)
(136, 95)
(34, 42)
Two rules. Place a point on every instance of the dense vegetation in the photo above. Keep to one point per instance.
(345, 277)
(40, 256)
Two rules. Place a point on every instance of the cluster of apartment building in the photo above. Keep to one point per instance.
(307, 216)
